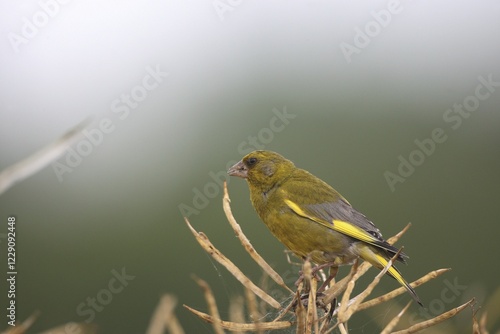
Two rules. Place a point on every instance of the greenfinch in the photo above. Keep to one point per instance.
(311, 218)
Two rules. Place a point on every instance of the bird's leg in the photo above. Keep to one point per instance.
(332, 309)
(332, 274)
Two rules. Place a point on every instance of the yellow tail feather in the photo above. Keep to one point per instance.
(380, 262)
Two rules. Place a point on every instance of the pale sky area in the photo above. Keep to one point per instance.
(87, 53)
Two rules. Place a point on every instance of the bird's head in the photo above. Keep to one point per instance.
(262, 169)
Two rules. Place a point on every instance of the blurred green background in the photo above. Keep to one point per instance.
(231, 70)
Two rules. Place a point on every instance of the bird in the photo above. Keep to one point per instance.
(311, 218)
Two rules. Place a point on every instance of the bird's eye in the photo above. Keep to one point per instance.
(251, 161)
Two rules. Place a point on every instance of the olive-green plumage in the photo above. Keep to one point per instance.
(310, 217)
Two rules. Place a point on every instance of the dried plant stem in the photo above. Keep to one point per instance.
(434, 321)
(342, 329)
(390, 326)
(312, 314)
(231, 267)
(236, 311)
(346, 313)
(241, 327)
(336, 289)
(38, 160)
(392, 240)
(246, 243)
(164, 317)
(21, 328)
(300, 311)
(253, 310)
(401, 290)
(479, 327)
(212, 305)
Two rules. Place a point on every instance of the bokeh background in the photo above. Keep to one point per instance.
(233, 66)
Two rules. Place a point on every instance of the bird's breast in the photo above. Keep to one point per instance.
(307, 238)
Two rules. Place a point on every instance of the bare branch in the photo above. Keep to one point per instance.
(246, 243)
(164, 317)
(232, 326)
(212, 305)
(38, 160)
(231, 267)
(434, 321)
(390, 326)
(401, 290)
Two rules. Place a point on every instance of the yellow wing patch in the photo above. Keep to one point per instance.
(365, 252)
(353, 231)
(295, 208)
(392, 271)
(336, 225)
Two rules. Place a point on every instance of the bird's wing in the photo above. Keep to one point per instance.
(356, 228)
(312, 198)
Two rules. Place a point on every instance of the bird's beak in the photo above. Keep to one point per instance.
(239, 170)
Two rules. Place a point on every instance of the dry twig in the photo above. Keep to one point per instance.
(246, 243)
(212, 305)
(401, 290)
(164, 317)
(241, 327)
(390, 326)
(436, 320)
(231, 267)
(38, 160)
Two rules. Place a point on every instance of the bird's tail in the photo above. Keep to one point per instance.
(379, 261)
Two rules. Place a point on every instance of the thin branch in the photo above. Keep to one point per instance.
(164, 317)
(212, 305)
(393, 323)
(21, 328)
(38, 160)
(312, 313)
(231, 267)
(434, 321)
(336, 289)
(253, 310)
(347, 313)
(392, 240)
(246, 243)
(401, 290)
(232, 326)
(236, 311)
(300, 311)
